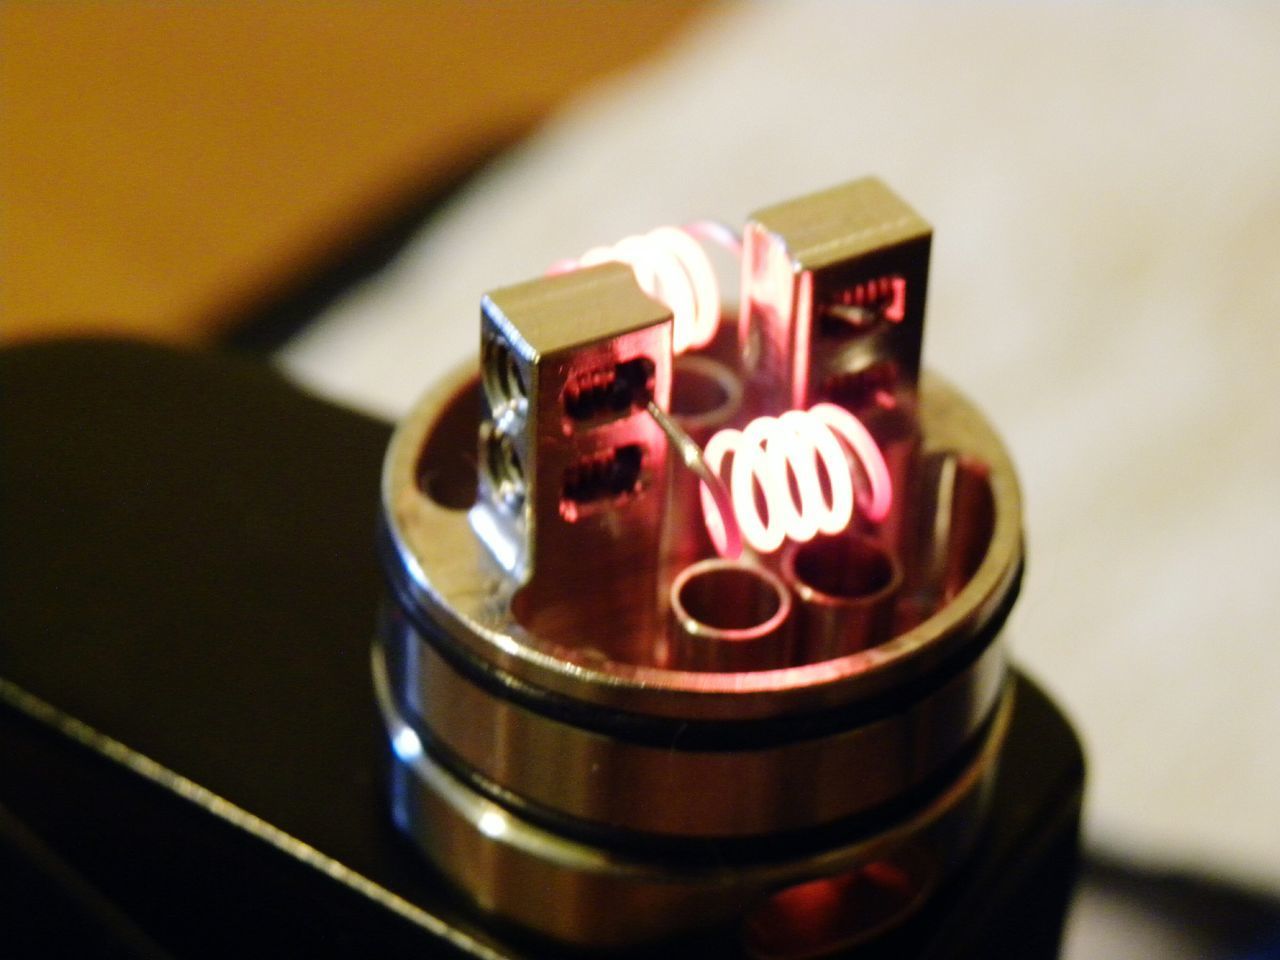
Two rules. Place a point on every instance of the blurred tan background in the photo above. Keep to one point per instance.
(167, 170)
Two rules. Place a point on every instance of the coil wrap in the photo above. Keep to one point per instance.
(779, 463)
(673, 267)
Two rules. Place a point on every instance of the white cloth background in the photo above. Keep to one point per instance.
(1105, 189)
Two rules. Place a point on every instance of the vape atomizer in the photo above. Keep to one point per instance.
(694, 617)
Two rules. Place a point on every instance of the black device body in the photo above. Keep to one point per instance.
(191, 762)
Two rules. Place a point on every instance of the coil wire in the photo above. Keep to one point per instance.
(779, 463)
(673, 267)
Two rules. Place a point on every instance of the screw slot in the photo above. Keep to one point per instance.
(609, 391)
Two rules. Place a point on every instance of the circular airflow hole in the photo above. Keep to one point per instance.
(446, 469)
(728, 616)
(845, 568)
(704, 393)
(831, 915)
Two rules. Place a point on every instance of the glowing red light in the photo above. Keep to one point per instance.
(888, 293)
(784, 460)
(670, 266)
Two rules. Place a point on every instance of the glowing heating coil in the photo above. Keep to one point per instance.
(779, 463)
(671, 266)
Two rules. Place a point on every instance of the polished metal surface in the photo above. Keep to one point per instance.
(730, 615)
(570, 464)
(813, 270)
(846, 590)
(608, 729)
(962, 565)
(612, 782)
(599, 897)
(471, 600)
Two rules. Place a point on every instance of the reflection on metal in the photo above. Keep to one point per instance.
(729, 616)
(847, 587)
(621, 723)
